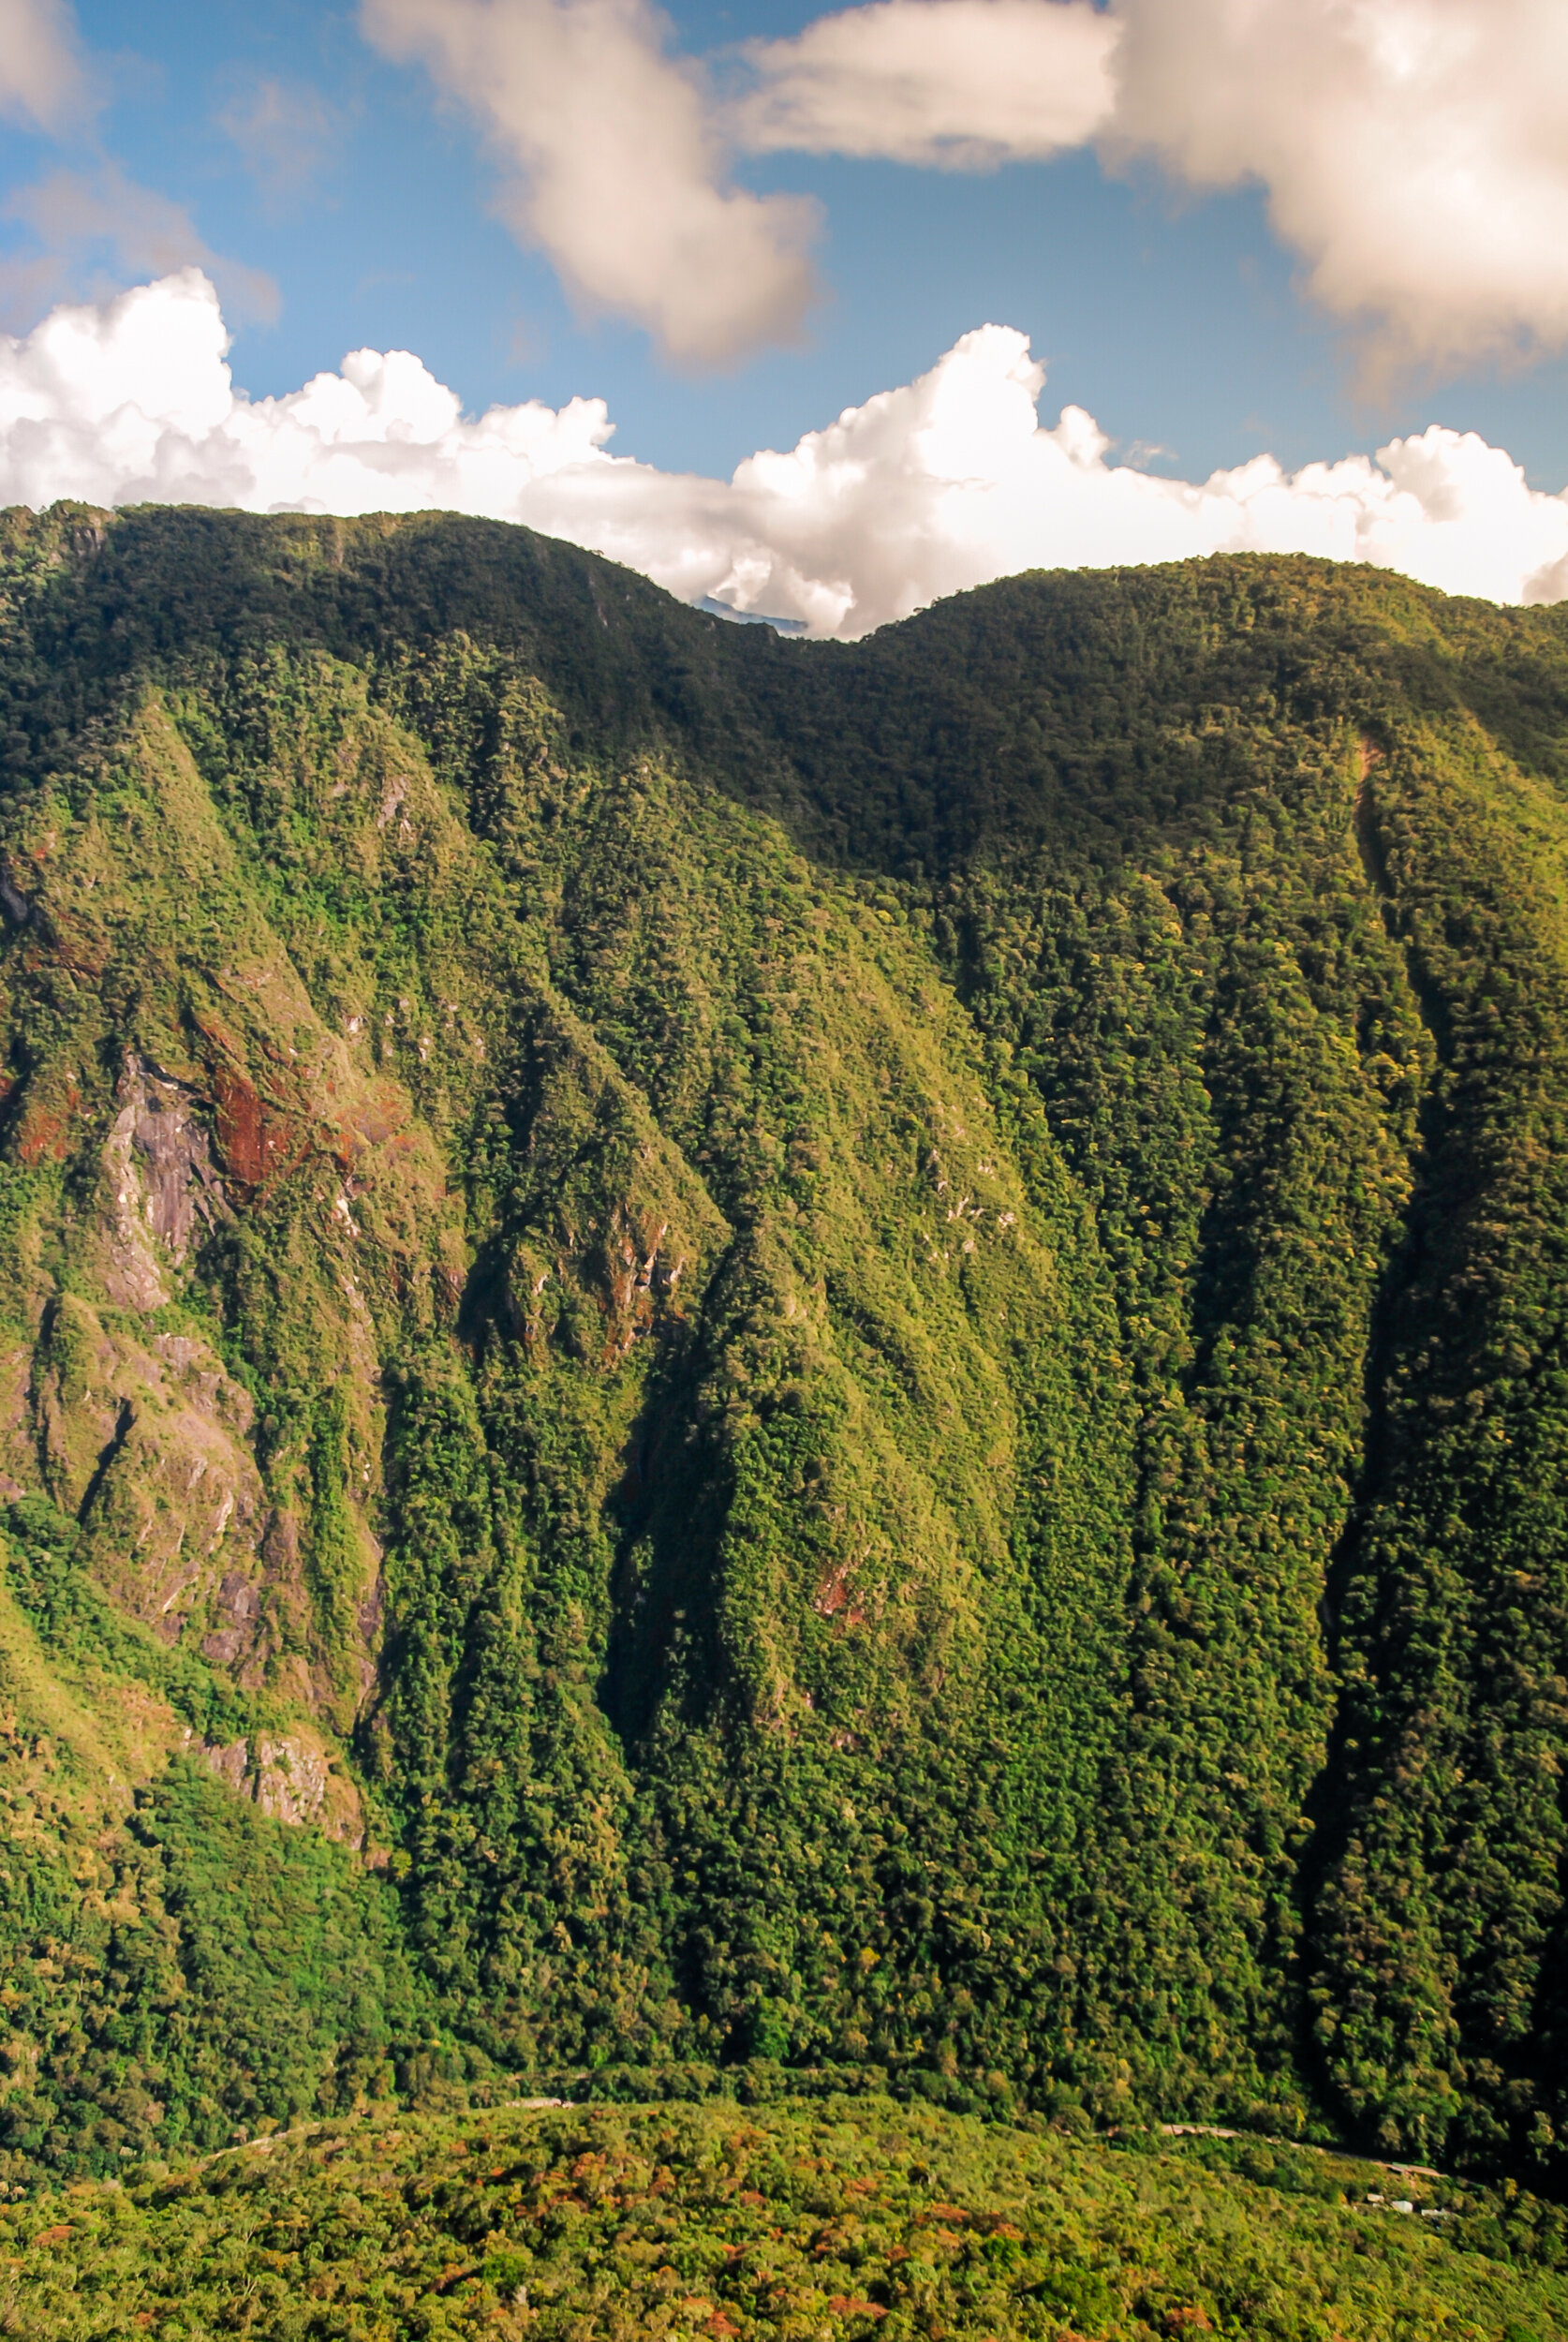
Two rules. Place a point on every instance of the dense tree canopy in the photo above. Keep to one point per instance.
(719, 1350)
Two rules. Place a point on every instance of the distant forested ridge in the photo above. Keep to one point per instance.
(721, 1354)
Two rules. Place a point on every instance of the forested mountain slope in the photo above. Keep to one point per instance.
(841, 2220)
(722, 1350)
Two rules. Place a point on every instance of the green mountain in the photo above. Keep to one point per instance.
(729, 1353)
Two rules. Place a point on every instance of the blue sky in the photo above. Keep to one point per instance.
(1292, 277)
(1175, 317)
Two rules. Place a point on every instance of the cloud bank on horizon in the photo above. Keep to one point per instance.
(1412, 150)
(940, 484)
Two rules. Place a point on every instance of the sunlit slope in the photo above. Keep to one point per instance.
(852, 1353)
(843, 2220)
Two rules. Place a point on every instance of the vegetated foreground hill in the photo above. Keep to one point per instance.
(718, 1350)
(838, 2221)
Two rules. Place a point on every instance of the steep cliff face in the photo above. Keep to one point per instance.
(765, 1351)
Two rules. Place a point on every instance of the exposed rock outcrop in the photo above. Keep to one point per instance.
(290, 1776)
(160, 1184)
(145, 1443)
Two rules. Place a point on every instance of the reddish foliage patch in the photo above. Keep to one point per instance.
(378, 1119)
(42, 1133)
(833, 1598)
(254, 1140)
(239, 1127)
(83, 950)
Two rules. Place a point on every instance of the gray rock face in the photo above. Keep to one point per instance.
(289, 1776)
(161, 1181)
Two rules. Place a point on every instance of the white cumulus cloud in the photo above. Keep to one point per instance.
(132, 400)
(958, 83)
(940, 484)
(616, 168)
(1415, 151)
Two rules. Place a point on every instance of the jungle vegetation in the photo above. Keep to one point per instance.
(841, 2220)
(729, 1355)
